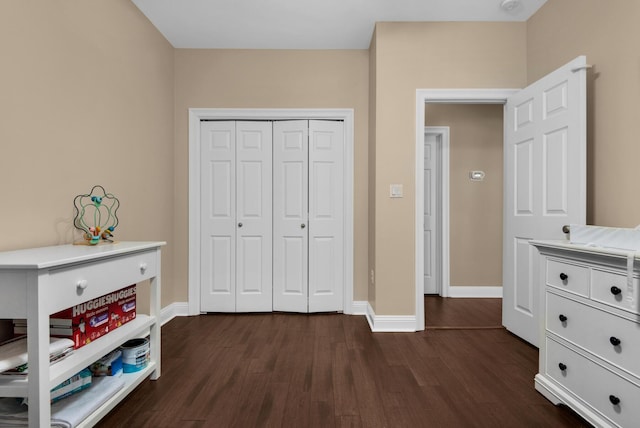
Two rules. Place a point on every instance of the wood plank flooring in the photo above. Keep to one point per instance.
(329, 370)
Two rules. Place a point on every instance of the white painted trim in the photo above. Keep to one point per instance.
(175, 309)
(451, 96)
(442, 134)
(484, 291)
(359, 307)
(390, 323)
(198, 114)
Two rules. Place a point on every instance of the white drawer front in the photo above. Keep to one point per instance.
(594, 384)
(80, 283)
(595, 330)
(612, 289)
(568, 277)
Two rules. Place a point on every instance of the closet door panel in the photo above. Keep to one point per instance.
(218, 202)
(326, 165)
(254, 216)
(290, 225)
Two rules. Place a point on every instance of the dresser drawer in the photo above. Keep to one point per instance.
(596, 331)
(611, 288)
(79, 283)
(568, 277)
(594, 384)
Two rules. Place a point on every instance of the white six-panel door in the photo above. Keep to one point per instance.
(236, 216)
(430, 144)
(545, 183)
(326, 212)
(253, 216)
(218, 214)
(290, 215)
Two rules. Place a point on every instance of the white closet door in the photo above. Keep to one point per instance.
(218, 214)
(290, 207)
(254, 217)
(326, 177)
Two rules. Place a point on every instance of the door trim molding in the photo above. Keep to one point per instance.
(423, 97)
(198, 114)
(442, 191)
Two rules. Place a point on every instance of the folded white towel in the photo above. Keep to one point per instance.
(14, 354)
(68, 412)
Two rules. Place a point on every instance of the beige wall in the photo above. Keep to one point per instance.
(607, 32)
(86, 98)
(272, 79)
(424, 55)
(476, 141)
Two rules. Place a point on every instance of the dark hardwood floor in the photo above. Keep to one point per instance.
(329, 370)
(462, 313)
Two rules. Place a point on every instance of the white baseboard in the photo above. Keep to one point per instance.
(175, 309)
(359, 307)
(390, 323)
(475, 291)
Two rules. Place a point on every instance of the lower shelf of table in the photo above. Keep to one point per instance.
(131, 381)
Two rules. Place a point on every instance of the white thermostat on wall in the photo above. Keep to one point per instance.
(476, 175)
(395, 191)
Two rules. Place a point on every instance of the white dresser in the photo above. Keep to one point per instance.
(590, 332)
(37, 282)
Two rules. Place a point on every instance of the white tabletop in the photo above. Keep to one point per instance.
(59, 255)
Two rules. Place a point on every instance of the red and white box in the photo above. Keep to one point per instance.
(90, 320)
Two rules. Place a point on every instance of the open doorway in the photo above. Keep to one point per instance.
(463, 187)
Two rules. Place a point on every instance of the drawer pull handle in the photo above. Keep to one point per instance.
(614, 400)
(564, 276)
(143, 268)
(615, 290)
(562, 366)
(82, 284)
(615, 341)
(562, 318)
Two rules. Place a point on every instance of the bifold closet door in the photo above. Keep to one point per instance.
(308, 216)
(236, 216)
(326, 215)
(290, 215)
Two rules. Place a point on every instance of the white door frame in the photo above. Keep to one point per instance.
(441, 245)
(447, 96)
(198, 114)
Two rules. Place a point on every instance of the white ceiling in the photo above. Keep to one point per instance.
(307, 24)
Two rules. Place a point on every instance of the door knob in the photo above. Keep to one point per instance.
(615, 290)
(239, 224)
(302, 226)
(563, 276)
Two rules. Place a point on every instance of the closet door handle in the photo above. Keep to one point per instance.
(562, 318)
(562, 366)
(615, 341)
(615, 290)
(614, 400)
(564, 276)
(239, 224)
(302, 226)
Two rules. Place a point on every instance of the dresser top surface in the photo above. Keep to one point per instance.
(60, 255)
(586, 249)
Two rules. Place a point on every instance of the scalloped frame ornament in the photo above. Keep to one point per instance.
(96, 216)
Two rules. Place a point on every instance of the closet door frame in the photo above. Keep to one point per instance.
(196, 115)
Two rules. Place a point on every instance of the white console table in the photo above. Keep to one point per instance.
(35, 283)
